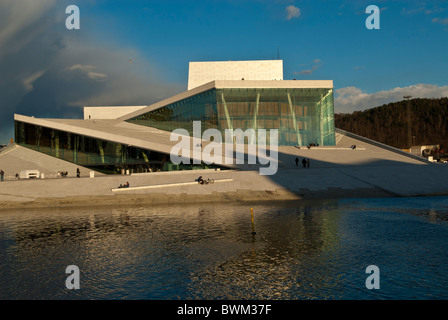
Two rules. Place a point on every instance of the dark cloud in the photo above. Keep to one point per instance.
(49, 71)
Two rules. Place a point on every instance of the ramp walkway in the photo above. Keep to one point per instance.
(180, 184)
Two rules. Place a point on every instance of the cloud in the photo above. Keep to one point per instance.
(19, 18)
(428, 8)
(413, 10)
(28, 82)
(49, 71)
(86, 70)
(351, 99)
(440, 21)
(309, 71)
(292, 12)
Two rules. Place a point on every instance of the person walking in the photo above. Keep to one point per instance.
(308, 162)
(78, 173)
(304, 162)
(2, 174)
(297, 162)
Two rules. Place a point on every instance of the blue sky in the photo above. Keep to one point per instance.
(409, 48)
(47, 70)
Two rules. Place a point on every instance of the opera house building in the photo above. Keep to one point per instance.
(221, 95)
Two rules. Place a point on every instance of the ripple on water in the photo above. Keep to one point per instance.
(310, 250)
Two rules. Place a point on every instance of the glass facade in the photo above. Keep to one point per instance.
(101, 155)
(302, 116)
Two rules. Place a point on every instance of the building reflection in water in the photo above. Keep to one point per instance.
(305, 250)
(290, 257)
(172, 252)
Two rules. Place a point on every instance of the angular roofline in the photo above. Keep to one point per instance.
(169, 100)
(235, 84)
(109, 130)
(122, 132)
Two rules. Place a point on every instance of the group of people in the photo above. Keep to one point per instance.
(60, 174)
(2, 175)
(305, 162)
(65, 173)
(201, 180)
(126, 185)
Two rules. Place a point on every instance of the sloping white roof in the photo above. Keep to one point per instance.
(119, 131)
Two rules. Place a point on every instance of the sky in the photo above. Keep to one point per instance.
(137, 52)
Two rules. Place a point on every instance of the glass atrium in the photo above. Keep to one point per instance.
(302, 116)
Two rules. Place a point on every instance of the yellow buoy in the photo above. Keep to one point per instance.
(252, 215)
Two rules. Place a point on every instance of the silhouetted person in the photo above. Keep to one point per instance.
(308, 162)
(200, 180)
(297, 162)
(304, 162)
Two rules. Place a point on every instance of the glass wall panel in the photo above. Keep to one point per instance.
(301, 116)
(102, 155)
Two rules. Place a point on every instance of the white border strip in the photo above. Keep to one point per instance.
(163, 186)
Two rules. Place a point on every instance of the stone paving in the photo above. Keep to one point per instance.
(335, 172)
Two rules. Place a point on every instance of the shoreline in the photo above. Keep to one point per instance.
(134, 200)
(288, 185)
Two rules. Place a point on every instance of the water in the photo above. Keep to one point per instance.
(306, 250)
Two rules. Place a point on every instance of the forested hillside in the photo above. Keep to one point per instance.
(389, 123)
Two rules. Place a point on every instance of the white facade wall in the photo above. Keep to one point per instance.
(203, 72)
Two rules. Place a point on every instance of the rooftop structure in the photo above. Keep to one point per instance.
(203, 72)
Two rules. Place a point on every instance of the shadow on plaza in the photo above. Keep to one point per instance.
(379, 175)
